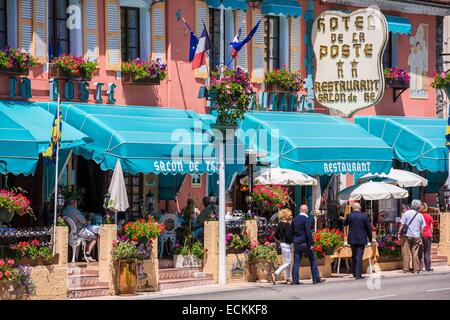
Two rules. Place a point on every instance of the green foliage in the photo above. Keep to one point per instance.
(288, 81)
(195, 249)
(75, 66)
(60, 222)
(237, 241)
(16, 60)
(149, 69)
(126, 250)
(441, 80)
(262, 253)
(326, 241)
(233, 95)
(34, 251)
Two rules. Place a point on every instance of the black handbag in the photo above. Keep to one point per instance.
(406, 226)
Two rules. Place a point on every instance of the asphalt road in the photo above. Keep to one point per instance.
(428, 286)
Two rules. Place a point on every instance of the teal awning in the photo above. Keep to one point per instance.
(399, 25)
(314, 143)
(417, 141)
(228, 4)
(25, 130)
(145, 139)
(281, 8)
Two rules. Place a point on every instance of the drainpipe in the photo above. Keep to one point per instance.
(309, 60)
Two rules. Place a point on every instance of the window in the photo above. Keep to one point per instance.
(387, 56)
(135, 190)
(214, 33)
(130, 33)
(58, 33)
(3, 25)
(272, 42)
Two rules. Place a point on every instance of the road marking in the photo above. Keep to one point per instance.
(435, 290)
(379, 297)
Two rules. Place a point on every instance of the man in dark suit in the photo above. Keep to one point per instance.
(303, 244)
(359, 234)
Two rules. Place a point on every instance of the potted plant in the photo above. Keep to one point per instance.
(34, 254)
(442, 81)
(189, 256)
(72, 66)
(125, 256)
(327, 241)
(389, 248)
(232, 96)
(270, 198)
(13, 202)
(396, 78)
(237, 242)
(144, 72)
(283, 81)
(16, 61)
(263, 257)
(15, 282)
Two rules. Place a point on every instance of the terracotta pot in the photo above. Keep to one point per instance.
(127, 277)
(252, 275)
(263, 270)
(8, 290)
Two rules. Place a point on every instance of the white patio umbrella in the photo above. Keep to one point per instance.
(373, 191)
(402, 178)
(285, 177)
(118, 201)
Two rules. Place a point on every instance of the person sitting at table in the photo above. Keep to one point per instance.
(359, 234)
(85, 231)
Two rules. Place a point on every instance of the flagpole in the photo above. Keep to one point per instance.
(55, 206)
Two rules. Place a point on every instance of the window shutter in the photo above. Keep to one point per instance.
(90, 30)
(201, 15)
(158, 20)
(113, 54)
(40, 30)
(25, 24)
(241, 21)
(258, 49)
(295, 43)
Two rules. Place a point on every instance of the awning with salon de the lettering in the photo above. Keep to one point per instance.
(313, 143)
(145, 139)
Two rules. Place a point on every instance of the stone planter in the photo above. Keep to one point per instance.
(263, 270)
(189, 261)
(5, 216)
(127, 277)
(128, 79)
(9, 291)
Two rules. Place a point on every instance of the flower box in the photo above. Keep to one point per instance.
(189, 261)
(55, 71)
(25, 261)
(13, 73)
(127, 78)
(397, 84)
(277, 88)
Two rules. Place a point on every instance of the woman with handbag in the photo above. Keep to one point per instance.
(283, 234)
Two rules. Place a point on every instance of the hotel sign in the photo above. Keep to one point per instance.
(349, 50)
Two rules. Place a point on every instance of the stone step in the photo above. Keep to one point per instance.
(84, 280)
(100, 290)
(178, 273)
(165, 263)
(439, 262)
(82, 271)
(185, 283)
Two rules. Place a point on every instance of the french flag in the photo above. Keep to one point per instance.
(204, 44)
(236, 38)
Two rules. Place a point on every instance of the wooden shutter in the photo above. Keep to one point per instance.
(201, 15)
(40, 10)
(258, 49)
(113, 52)
(25, 25)
(295, 43)
(241, 21)
(90, 30)
(158, 21)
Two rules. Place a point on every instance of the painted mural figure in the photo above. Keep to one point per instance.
(418, 63)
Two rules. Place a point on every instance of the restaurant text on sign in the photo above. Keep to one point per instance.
(349, 50)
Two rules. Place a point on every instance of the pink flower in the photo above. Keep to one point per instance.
(443, 75)
(10, 262)
(2, 263)
(1, 275)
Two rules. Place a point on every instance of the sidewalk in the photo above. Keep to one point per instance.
(167, 294)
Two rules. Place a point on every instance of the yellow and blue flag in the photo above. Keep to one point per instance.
(55, 138)
(447, 134)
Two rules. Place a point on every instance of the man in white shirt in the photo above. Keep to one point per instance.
(414, 221)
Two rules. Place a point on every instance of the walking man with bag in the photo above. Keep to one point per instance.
(412, 224)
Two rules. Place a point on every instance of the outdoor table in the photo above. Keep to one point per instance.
(370, 253)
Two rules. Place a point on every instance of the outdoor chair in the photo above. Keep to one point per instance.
(74, 240)
(169, 236)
